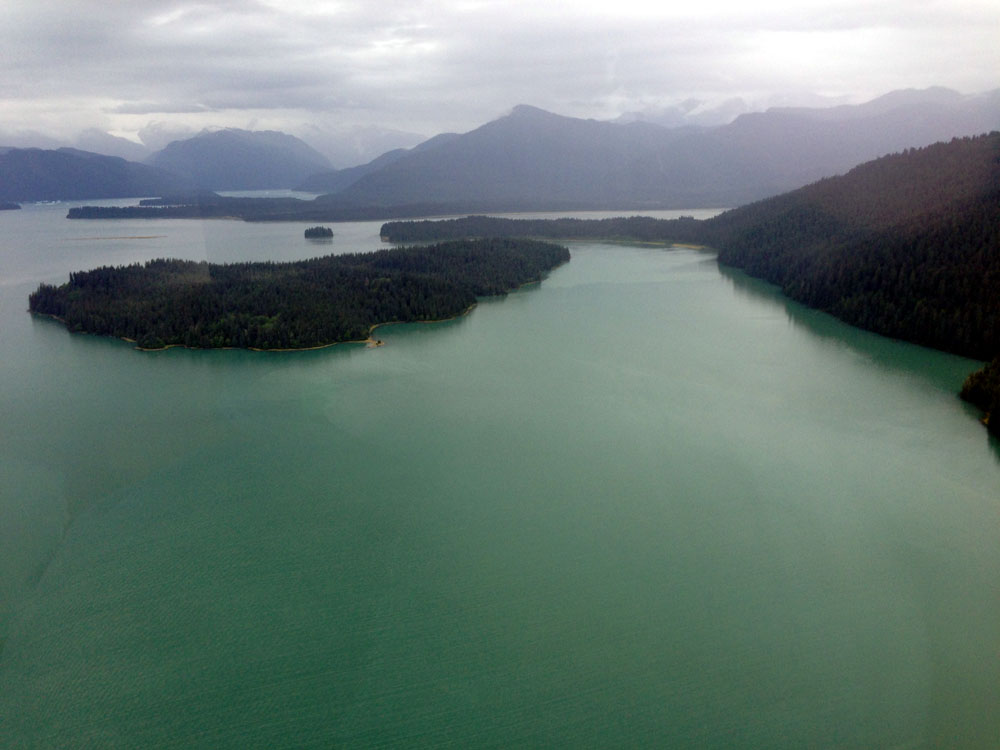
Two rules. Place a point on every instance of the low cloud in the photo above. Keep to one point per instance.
(429, 67)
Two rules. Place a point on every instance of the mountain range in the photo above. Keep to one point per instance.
(336, 180)
(532, 159)
(234, 159)
(229, 159)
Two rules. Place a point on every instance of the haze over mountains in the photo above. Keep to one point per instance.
(33, 174)
(336, 180)
(229, 159)
(234, 159)
(533, 159)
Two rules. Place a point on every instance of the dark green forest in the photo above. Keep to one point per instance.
(627, 229)
(318, 233)
(294, 305)
(907, 245)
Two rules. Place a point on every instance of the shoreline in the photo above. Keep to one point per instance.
(370, 342)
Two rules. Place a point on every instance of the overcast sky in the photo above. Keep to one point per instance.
(429, 66)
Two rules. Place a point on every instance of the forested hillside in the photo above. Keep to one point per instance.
(290, 305)
(907, 245)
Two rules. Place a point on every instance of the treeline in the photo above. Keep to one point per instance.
(291, 305)
(318, 233)
(907, 246)
(935, 285)
(632, 228)
(197, 205)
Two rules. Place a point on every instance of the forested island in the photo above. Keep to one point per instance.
(318, 233)
(907, 246)
(298, 305)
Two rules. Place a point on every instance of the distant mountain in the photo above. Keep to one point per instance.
(92, 140)
(803, 145)
(689, 112)
(33, 174)
(894, 100)
(354, 145)
(532, 159)
(28, 139)
(528, 158)
(234, 159)
(336, 180)
(99, 142)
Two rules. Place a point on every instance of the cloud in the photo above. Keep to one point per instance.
(146, 108)
(430, 66)
(155, 135)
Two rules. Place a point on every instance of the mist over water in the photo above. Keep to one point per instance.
(643, 503)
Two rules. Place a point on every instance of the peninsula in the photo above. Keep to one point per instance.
(298, 305)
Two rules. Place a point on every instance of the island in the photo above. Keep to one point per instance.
(8, 206)
(319, 233)
(298, 305)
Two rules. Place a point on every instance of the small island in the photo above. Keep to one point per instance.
(8, 206)
(298, 305)
(319, 233)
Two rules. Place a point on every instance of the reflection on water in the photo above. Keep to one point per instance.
(947, 371)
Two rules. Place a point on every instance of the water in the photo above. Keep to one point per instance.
(644, 503)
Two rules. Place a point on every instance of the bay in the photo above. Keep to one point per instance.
(647, 502)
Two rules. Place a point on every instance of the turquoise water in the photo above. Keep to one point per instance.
(643, 503)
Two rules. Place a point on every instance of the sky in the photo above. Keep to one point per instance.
(150, 70)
